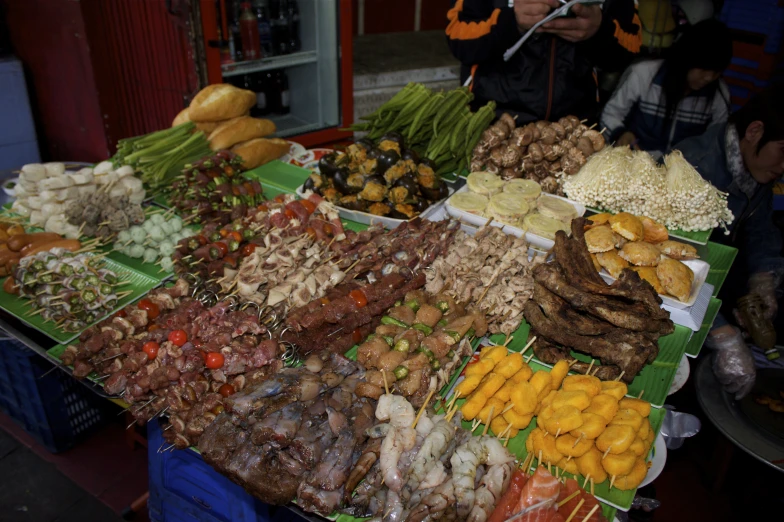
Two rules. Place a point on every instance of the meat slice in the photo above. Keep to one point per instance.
(549, 353)
(559, 310)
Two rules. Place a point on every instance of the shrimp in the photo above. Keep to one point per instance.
(432, 449)
(490, 489)
(362, 467)
(395, 409)
(395, 443)
(467, 458)
(434, 505)
(436, 475)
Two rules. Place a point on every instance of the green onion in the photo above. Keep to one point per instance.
(402, 346)
(435, 364)
(443, 306)
(413, 304)
(470, 332)
(401, 372)
(425, 329)
(391, 320)
(450, 353)
(454, 335)
(390, 341)
(442, 323)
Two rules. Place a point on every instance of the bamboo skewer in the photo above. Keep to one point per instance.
(489, 418)
(528, 345)
(386, 386)
(576, 509)
(422, 409)
(640, 395)
(567, 499)
(589, 368)
(620, 376)
(507, 409)
(612, 481)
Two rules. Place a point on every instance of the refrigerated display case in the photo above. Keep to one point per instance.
(319, 73)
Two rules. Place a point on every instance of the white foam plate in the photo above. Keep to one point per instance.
(534, 240)
(658, 461)
(372, 219)
(700, 269)
(681, 375)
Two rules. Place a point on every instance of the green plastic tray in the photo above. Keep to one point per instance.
(280, 175)
(720, 258)
(700, 238)
(654, 380)
(694, 345)
(19, 306)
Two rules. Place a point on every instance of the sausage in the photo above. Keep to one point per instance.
(10, 286)
(38, 239)
(72, 245)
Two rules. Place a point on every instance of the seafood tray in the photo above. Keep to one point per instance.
(535, 240)
(139, 284)
(613, 498)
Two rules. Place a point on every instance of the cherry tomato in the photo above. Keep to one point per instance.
(290, 213)
(262, 208)
(309, 205)
(248, 249)
(311, 232)
(223, 247)
(359, 298)
(328, 229)
(121, 313)
(356, 336)
(226, 390)
(280, 198)
(151, 349)
(153, 327)
(214, 360)
(236, 236)
(202, 239)
(178, 337)
(223, 232)
(151, 308)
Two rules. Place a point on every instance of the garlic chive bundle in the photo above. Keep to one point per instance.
(619, 179)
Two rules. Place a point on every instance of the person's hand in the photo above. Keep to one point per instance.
(733, 363)
(531, 12)
(587, 20)
(627, 138)
(764, 285)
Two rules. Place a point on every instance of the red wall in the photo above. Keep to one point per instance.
(384, 16)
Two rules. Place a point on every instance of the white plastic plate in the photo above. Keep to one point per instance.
(539, 242)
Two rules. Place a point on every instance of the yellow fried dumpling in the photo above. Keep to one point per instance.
(640, 406)
(587, 383)
(603, 405)
(505, 392)
(590, 465)
(593, 426)
(540, 380)
(616, 437)
(645, 428)
(490, 384)
(473, 406)
(569, 465)
(577, 398)
(481, 368)
(469, 384)
(619, 464)
(564, 420)
(615, 388)
(638, 447)
(523, 374)
(499, 424)
(509, 365)
(629, 417)
(518, 421)
(571, 446)
(494, 353)
(494, 404)
(524, 398)
(634, 478)
(559, 371)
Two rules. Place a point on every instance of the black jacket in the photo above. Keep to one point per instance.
(549, 77)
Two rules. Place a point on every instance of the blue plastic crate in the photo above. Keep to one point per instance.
(184, 488)
(55, 410)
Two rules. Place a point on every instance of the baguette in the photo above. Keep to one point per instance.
(238, 130)
(260, 151)
(182, 117)
(208, 127)
(221, 102)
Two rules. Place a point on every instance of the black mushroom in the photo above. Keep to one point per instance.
(332, 163)
(386, 160)
(409, 183)
(379, 209)
(352, 202)
(410, 154)
(403, 211)
(375, 189)
(314, 182)
(348, 183)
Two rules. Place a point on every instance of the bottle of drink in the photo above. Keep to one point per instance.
(285, 97)
(249, 30)
(261, 94)
(234, 37)
(295, 44)
(280, 27)
(272, 92)
(265, 29)
(225, 50)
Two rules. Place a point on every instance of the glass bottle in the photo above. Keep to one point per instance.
(249, 29)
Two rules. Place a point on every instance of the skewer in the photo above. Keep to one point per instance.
(596, 371)
(489, 418)
(620, 376)
(640, 395)
(606, 452)
(558, 432)
(528, 361)
(556, 473)
(508, 340)
(455, 396)
(587, 478)
(475, 424)
(603, 129)
(539, 462)
(507, 409)
(110, 358)
(592, 126)
(592, 493)
(505, 432)
(386, 386)
(422, 409)
(576, 509)
(590, 366)
(572, 362)
(578, 440)
(549, 470)
(612, 480)
(567, 499)
(528, 345)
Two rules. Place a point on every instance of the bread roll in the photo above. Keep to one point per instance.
(221, 102)
(182, 117)
(238, 130)
(207, 127)
(260, 151)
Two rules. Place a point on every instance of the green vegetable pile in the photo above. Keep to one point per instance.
(159, 157)
(437, 125)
